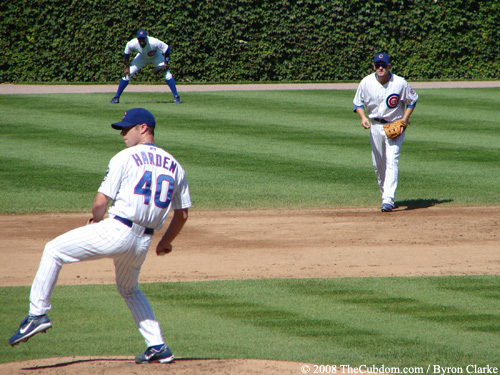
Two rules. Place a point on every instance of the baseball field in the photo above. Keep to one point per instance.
(286, 265)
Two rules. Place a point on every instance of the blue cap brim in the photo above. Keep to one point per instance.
(122, 124)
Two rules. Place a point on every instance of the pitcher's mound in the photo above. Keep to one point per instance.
(126, 365)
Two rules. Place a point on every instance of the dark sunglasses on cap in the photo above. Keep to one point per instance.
(381, 65)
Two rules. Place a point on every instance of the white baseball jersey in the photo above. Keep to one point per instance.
(152, 48)
(144, 182)
(387, 101)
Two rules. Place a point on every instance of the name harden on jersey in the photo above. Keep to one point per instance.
(154, 159)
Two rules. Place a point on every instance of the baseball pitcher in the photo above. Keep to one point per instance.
(144, 182)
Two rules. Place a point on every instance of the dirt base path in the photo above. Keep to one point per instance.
(258, 244)
(7, 88)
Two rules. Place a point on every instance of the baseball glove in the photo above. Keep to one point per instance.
(159, 69)
(395, 128)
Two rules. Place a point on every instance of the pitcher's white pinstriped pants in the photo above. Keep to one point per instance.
(107, 239)
(385, 158)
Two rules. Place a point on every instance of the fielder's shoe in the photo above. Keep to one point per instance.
(177, 100)
(29, 327)
(386, 207)
(115, 100)
(162, 355)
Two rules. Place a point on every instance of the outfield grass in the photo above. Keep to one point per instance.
(398, 322)
(270, 149)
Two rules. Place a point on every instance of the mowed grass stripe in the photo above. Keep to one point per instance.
(259, 149)
(394, 321)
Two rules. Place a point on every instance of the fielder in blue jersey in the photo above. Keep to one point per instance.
(149, 51)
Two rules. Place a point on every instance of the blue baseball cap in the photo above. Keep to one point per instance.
(135, 116)
(142, 34)
(382, 57)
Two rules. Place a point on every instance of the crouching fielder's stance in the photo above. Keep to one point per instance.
(149, 51)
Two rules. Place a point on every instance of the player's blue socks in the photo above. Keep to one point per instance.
(173, 88)
(121, 87)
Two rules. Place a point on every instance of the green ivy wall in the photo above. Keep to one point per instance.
(246, 40)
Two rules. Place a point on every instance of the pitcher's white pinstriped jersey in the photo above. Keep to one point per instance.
(387, 101)
(144, 182)
(149, 51)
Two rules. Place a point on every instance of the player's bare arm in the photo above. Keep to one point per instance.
(389, 99)
(178, 220)
(134, 183)
(365, 122)
(126, 61)
(99, 207)
(407, 114)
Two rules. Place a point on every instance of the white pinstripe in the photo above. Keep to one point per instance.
(373, 96)
(140, 62)
(107, 239)
(152, 53)
(127, 182)
(385, 158)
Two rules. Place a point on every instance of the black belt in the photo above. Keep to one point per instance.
(381, 120)
(129, 223)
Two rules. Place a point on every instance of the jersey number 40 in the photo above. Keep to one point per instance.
(164, 186)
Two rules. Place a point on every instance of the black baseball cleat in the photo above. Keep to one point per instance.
(152, 355)
(177, 100)
(115, 100)
(386, 207)
(29, 327)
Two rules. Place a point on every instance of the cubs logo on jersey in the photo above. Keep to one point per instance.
(392, 100)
